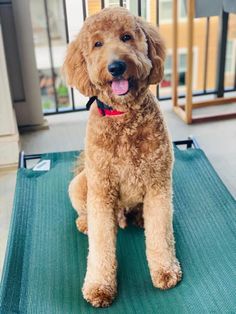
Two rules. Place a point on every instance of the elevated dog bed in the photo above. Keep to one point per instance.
(46, 256)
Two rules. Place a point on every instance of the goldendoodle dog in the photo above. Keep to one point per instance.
(128, 158)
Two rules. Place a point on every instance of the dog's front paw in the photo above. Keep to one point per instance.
(99, 295)
(81, 224)
(167, 277)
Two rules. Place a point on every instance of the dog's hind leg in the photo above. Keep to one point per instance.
(121, 218)
(81, 224)
(78, 197)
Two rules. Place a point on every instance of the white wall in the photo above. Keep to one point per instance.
(9, 138)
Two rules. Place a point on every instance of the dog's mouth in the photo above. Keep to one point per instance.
(120, 86)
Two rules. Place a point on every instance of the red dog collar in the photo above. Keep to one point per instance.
(106, 110)
(103, 109)
(109, 112)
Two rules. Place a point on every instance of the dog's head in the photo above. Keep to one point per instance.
(116, 56)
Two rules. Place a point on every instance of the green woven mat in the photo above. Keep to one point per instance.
(46, 256)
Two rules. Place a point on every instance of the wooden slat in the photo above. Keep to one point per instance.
(211, 102)
(214, 102)
(189, 75)
(199, 119)
(180, 112)
(155, 4)
(206, 52)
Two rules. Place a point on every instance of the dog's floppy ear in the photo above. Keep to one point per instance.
(156, 50)
(75, 69)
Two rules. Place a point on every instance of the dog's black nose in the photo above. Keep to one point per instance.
(117, 68)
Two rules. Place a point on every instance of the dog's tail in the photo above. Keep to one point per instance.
(79, 164)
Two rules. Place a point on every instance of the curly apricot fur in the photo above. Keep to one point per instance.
(128, 159)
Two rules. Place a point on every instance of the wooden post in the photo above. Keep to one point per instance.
(174, 55)
(189, 76)
(185, 111)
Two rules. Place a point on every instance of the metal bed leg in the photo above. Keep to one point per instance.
(23, 159)
(191, 142)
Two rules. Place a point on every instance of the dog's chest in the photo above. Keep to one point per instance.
(131, 164)
(131, 185)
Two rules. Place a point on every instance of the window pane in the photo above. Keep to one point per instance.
(144, 9)
(165, 7)
(42, 54)
(47, 90)
(165, 10)
(182, 61)
(48, 19)
(112, 3)
(229, 55)
(62, 92)
(182, 78)
(182, 12)
(168, 63)
(133, 7)
(166, 82)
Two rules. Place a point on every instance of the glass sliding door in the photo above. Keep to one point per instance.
(54, 25)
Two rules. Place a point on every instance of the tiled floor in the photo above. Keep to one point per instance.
(67, 132)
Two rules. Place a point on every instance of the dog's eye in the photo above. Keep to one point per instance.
(126, 37)
(98, 44)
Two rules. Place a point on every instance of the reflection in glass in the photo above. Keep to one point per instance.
(48, 21)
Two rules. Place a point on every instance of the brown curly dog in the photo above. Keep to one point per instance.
(128, 153)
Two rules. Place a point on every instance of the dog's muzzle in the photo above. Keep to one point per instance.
(119, 85)
(117, 68)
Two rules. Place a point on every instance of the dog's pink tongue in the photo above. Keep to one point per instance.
(120, 87)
